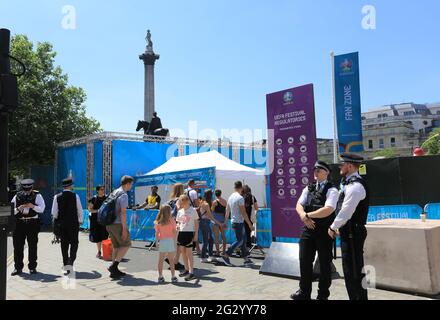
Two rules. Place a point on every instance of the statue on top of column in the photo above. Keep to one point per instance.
(149, 42)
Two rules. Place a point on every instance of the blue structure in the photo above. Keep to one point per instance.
(104, 158)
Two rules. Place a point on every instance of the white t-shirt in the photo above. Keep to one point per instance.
(187, 219)
(192, 194)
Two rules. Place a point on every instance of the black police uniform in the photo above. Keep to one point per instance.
(316, 240)
(68, 224)
(353, 235)
(27, 228)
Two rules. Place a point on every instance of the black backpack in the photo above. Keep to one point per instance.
(107, 211)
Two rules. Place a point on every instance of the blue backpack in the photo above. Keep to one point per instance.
(107, 211)
(172, 203)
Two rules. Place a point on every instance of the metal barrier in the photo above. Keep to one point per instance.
(433, 210)
(141, 222)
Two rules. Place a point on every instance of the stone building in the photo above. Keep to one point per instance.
(401, 127)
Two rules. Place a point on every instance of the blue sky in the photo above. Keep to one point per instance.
(220, 58)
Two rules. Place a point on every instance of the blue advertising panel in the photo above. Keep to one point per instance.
(207, 175)
(348, 103)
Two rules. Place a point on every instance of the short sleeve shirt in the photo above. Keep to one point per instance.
(234, 203)
(121, 202)
(187, 219)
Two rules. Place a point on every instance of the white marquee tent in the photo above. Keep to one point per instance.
(226, 173)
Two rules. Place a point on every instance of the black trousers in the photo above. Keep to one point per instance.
(69, 239)
(313, 241)
(353, 273)
(26, 230)
(248, 235)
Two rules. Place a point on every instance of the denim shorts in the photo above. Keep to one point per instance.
(167, 245)
(219, 217)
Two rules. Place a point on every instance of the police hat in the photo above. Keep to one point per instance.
(322, 165)
(351, 158)
(67, 182)
(27, 184)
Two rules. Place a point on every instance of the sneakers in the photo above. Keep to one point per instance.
(248, 262)
(226, 261)
(190, 277)
(174, 280)
(33, 271)
(184, 274)
(16, 272)
(161, 280)
(115, 272)
(204, 260)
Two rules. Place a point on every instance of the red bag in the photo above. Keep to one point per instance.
(107, 250)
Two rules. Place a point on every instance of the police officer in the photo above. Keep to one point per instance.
(68, 212)
(350, 221)
(27, 204)
(316, 208)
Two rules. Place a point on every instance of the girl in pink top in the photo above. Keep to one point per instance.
(165, 228)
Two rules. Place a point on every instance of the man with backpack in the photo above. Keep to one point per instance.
(118, 229)
(68, 215)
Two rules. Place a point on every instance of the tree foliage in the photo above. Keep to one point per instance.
(432, 144)
(386, 153)
(50, 110)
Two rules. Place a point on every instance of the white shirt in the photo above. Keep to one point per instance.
(354, 193)
(192, 194)
(39, 206)
(332, 196)
(187, 219)
(78, 208)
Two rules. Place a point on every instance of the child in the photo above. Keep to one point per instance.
(188, 225)
(165, 228)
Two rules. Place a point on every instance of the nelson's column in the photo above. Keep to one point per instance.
(149, 58)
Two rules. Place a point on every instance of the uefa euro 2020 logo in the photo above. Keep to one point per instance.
(347, 66)
(288, 97)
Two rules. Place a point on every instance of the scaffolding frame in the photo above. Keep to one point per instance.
(107, 139)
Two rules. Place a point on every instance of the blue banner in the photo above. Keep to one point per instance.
(205, 178)
(348, 103)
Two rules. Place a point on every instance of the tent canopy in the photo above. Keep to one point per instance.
(225, 168)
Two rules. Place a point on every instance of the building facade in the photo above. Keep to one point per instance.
(401, 127)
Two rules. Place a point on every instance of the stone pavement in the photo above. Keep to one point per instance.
(215, 282)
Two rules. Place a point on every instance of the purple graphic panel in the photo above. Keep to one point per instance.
(293, 153)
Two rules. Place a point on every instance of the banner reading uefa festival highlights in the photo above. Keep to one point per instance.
(293, 153)
(348, 103)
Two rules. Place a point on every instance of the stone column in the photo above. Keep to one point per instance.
(149, 58)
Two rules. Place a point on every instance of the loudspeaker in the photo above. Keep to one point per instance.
(282, 260)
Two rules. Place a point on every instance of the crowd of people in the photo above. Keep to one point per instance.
(325, 212)
(176, 226)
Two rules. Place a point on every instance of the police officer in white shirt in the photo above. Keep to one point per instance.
(27, 204)
(68, 212)
(316, 208)
(350, 221)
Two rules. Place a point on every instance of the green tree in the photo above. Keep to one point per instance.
(432, 144)
(387, 153)
(50, 110)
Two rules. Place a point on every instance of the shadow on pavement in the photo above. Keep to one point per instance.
(42, 277)
(187, 284)
(88, 275)
(130, 281)
(203, 274)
